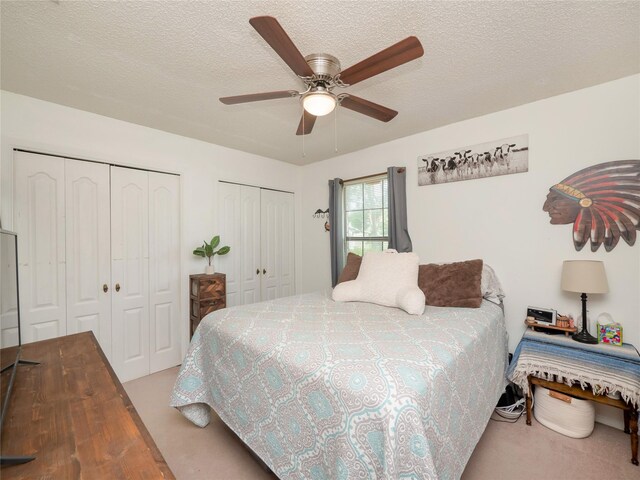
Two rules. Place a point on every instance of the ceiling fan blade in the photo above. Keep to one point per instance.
(309, 121)
(402, 52)
(368, 108)
(256, 97)
(274, 34)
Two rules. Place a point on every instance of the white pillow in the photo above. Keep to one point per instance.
(385, 278)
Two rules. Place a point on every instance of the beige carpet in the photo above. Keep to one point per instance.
(506, 451)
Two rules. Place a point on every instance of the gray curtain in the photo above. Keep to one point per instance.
(398, 230)
(336, 221)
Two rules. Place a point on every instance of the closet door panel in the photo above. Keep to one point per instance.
(88, 250)
(164, 271)
(39, 210)
(130, 272)
(251, 271)
(230, 231)
(8, 293)
(239, 227)
(277, 239)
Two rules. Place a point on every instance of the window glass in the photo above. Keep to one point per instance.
(373, 195)
(353, 197)
(366, 215)
(355, 223)
(354, 246)
(373, 223)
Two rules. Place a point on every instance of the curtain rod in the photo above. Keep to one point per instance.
(400, 170)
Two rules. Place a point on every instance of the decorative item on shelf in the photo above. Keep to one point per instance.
(564, 321)
(601, 202)
(208, 250)
(610, 333)
(584, 276)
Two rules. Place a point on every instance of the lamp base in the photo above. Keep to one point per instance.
(584, 337)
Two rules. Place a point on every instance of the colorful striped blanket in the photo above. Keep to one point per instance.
(603, 368)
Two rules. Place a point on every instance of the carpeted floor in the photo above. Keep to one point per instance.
(505, 451)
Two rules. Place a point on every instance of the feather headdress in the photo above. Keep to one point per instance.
(609, 197)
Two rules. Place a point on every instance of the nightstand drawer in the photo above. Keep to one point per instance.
(203, 307)
(208, 286)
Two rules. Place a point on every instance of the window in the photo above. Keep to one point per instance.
(366, 215)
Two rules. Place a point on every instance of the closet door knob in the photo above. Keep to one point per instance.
(257, 271)
(105, 288)
(117, 287)
(264, 271)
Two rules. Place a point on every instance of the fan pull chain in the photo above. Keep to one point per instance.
(335, 128)
(303, 135)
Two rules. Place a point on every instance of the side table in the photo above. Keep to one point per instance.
(600, 368)
(207, 293)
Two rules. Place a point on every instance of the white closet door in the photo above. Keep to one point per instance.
(277, 238)
(8, 292)
(39, 222)
(251, 265)
(88, 250)
(130, 272)
(239, 227)
(164, 271)
(230, 231)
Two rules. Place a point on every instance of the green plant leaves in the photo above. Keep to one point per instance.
(208, 249)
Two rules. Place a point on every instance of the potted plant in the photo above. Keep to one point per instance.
(209, 251)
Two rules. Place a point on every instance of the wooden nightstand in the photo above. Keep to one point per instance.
(540, 356)
(207, 293)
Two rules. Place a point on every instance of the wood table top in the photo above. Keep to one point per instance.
(72, 413)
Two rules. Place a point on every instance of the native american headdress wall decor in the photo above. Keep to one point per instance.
(602, 201)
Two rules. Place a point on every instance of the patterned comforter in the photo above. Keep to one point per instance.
(327, 390)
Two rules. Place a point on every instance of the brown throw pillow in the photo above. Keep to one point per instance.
(452, 284)
(351, 268)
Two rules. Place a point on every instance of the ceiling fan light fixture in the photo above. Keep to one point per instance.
(319, 102)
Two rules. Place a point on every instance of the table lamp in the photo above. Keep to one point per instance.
(584, 276)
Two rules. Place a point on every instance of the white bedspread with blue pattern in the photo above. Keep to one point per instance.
(327, 390)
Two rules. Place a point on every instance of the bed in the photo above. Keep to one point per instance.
(327, 390)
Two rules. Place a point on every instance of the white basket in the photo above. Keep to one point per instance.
(574, 419)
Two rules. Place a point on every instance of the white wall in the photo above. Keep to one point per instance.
(33, 124)
(500, 219)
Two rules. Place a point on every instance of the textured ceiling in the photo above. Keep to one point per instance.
(164, 64)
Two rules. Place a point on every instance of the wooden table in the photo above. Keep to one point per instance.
(74, 416)
(630, 412)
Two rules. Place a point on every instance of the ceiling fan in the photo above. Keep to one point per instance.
(321, 73)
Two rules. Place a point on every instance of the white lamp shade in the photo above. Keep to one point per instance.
(319, 103)
(584, 276)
